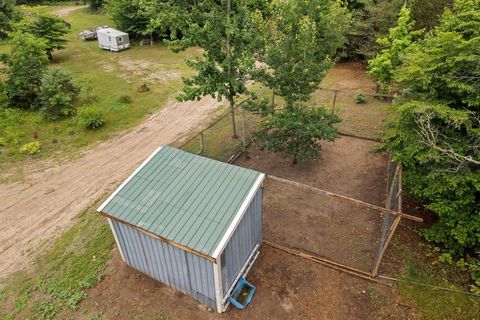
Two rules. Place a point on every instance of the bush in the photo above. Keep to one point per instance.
(126, 99)
(27, 63)
(30, 148)
(360, 98)
(296, 130)
(57, 95)
(91, 117)
(3, 97)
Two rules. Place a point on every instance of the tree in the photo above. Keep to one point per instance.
(26, 66)
(305, 37)
(48, 27)
(426, 13)
(8, 14)
(400, 38)
(129, 16)
(295, 131)
(57, 95)
(230, 34)
(435, 134)
(95, 5)
(371, 20)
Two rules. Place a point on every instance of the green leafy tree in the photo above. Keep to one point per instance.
(427, 13)
(57, 95)
(26, 66)
(305, 37)
(95, 5)
(129, 16)
(296, 131)
(48, 27)
(382, 68)
(3, 96)
(371, 20)
(230, 34)
(8, 15)
(436, 133)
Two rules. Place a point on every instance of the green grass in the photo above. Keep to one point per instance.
(421, 265)
(61, 276)
(104, 77)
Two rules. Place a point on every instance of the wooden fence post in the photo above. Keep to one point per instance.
(202, 144)
(244, 129)
(334, 101)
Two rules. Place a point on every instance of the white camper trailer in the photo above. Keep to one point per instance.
(112, 39)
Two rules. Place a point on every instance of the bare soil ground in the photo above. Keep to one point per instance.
(335, 229)
(36, 210)
(288, 287)
(65, 10)
(348, 166)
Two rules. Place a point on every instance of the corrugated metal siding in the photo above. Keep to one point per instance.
(188, 199)
(247, 235)
(183, 271)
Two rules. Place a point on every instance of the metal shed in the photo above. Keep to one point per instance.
(190, 222)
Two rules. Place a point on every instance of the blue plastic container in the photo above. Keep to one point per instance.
(242, 294)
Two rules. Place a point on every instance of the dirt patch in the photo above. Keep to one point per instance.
(63, 11)
(287, 288)
(349, 76)
(348, 166)
(146, 70)
(41, 207)
(338, 230)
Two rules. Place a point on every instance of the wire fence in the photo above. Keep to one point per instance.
(362, 114)
(342, 232)
(216, 141)
(393, 202)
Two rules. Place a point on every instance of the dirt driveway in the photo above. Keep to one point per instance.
(65, 10)
(36, 210)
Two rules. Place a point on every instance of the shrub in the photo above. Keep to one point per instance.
(126, 99)
(91, 117)
(30, 148)
(57, 95)
(360, 98)
(3, 97)
(27, 63)
(296, 130)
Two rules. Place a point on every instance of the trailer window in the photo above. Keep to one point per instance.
(120, 39)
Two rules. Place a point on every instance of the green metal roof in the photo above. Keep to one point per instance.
(182, 197)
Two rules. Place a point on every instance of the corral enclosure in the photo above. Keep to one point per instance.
(338, 230)
(333, 228)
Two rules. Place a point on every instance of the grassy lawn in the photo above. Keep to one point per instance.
(104, 77)
(60, 277)
(420, 264)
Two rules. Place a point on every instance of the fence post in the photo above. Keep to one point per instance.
(244, 129)
(334, 101)
(202, 144)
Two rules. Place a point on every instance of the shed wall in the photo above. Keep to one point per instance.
(181, 270)
(244, 240)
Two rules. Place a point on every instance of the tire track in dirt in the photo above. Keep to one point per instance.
(45, 205)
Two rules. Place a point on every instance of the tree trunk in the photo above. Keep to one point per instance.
(229, 70)
(232, 114)
(49, 55)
